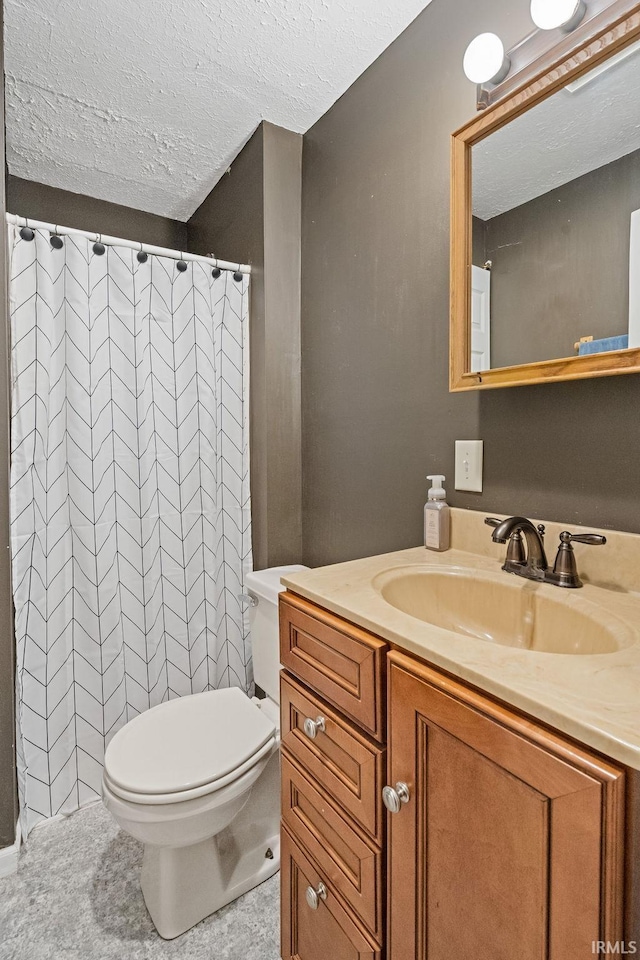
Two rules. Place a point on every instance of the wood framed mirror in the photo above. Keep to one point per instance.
(545, 219)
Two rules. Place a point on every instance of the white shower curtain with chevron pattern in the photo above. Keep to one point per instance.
(130, 507)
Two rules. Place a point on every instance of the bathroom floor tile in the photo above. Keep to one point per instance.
(76, 896)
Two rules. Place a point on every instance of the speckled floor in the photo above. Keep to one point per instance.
(76, 896)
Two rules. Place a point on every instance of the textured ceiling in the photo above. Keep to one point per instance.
(561, 139)
(147, 103)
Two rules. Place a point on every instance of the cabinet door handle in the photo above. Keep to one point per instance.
(393, 798)
(313, 727)
(315, 896)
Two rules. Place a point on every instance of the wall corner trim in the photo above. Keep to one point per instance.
(9, 855)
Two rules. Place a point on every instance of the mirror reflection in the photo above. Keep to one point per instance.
(556, 224)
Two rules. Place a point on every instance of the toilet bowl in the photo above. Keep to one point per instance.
(196, 780)
(209, 827)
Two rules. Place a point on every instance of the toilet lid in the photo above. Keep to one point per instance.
(187, 742)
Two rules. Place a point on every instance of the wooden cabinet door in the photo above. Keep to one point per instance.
(511, 844)
(327, 933)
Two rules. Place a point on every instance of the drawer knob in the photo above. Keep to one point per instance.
(393, 798)
(315, 896)
(313, 727)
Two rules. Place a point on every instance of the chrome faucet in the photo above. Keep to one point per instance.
(534, 565)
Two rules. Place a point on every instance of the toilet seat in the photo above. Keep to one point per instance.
(186, 748)
(180, 796)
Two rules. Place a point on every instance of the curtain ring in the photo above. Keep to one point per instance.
(26, 233)
(141, 255)
(181, 265)
(238, 275)
(55, 239)
(215, 273)
(99, 247)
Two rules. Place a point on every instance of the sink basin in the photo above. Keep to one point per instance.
(503, 609)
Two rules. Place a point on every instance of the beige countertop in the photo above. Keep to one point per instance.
(592, 698)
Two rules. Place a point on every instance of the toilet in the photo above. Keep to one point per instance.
(197, 781)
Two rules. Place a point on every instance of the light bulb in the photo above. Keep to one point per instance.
(551, 14)
(484, 59)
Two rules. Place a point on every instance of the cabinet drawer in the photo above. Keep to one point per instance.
(329, 931)
(343, 663)
(349, 863)
(350, 768)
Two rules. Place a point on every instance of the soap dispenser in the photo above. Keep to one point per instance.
(437, 517)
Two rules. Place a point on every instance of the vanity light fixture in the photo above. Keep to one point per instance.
(558, 14)
(485, 60)
(559, 27)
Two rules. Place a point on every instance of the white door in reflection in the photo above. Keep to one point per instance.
(480, 319)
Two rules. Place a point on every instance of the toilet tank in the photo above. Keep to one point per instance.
(264, 586)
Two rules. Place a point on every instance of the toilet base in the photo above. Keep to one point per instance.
(183, 885)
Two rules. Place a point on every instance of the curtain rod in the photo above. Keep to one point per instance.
(131, 244)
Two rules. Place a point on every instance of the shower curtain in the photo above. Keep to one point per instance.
(130, 513)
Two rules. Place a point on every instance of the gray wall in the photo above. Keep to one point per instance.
(281, 433)
(253, 216)
(8, 802)
(561, 265)
(28, 199)
(230, 222)
(478, 242)
(377, 414)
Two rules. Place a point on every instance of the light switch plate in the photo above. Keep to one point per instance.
(469, 456)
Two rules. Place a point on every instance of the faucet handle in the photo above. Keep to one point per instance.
(565, 572)
(594, 539)
(492, 521)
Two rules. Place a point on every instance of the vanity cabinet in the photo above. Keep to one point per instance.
(333, 765)
(508, 840)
